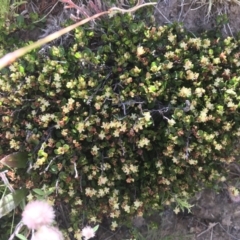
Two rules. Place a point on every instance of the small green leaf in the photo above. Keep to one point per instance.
(95, 228)
(51, 190)
(33, 16)
(41, 153)
(62, 176)
(39, 191)
(21, 69)
(78, 55)
(66, 147)
(11, 201)
(20, 236)
(152, 89)
(58, 144)
(20, 20)
(15, 160)
(54, 169)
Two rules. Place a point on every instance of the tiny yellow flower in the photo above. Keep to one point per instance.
(102, 180)
(206, 43)
(101, 192)
(57, 77)
(90, 192)
(78, 235)
(143, 142)
(78, 202)
(199, 92)
(140, 51)
(114, 225)
(93, 219)
(102, 135)
(137, 204)
(30, 197)
(95, 150)
(133, 168)
(123, 128)
(171, 37)
(192, 162)
(216, 60)
(133, 116)
(126, 208)
(183, 45)
(188, 65)
(191, 75)
(185, 92)
(176, 210)
(116, 205)
(147, 116)
(12, 68)
(80, 127)
(112, 215)
(106, 190)
(116, 133)
(171, 122)
(126, 169)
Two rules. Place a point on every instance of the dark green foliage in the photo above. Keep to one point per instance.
(128, 118)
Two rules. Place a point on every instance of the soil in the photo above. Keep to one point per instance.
(196, 17)
(215, 216)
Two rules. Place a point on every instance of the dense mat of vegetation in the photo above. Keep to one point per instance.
(127, 118)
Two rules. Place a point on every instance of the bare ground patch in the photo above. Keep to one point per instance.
(199, 16)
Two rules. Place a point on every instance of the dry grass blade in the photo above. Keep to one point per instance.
(219, 3)
(210, 226)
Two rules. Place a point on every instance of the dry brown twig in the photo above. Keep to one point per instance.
(13, 56)
(210, 226)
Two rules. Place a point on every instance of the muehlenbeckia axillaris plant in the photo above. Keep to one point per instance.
(141, 121)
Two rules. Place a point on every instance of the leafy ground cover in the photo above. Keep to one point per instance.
(119, 118)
